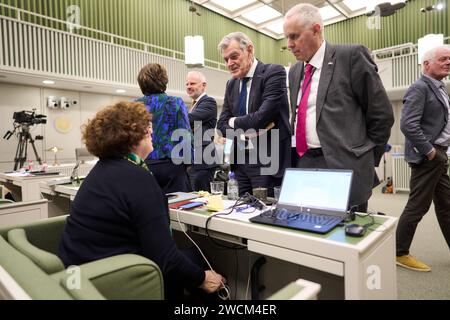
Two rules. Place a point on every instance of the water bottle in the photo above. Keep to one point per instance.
(232, 187)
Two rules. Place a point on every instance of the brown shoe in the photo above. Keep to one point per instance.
(409, 262)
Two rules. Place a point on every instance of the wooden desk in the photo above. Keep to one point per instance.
(24, 188)
(23, 212)
(367, 264)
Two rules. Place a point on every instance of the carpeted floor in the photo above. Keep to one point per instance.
(428, 246)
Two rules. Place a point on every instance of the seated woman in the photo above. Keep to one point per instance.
(120, 208)
(169, 114)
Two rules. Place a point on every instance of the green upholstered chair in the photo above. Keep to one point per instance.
(29, 257)
(297, 290)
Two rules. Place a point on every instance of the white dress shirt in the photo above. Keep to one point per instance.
(312, 139)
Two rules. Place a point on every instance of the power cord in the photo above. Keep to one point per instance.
(246, 199)
(225, 292)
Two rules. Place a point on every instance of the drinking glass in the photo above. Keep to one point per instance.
(217, 187)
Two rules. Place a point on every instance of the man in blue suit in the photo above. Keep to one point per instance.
(202, 117)
(424, 122)
(255, 103)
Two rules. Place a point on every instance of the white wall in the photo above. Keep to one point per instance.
(15, 98)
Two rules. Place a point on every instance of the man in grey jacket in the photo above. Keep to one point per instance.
(341, 114)
(424, 122)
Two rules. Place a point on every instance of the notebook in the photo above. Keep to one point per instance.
(314, 200)
(175, 197)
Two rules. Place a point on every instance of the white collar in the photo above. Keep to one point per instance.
(317, 59)
(251, 72)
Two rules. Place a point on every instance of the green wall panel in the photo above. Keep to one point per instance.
(406, 25)
(165, 23)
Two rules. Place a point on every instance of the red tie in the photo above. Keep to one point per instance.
(300, 133)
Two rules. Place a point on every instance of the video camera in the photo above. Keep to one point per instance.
(29, 117)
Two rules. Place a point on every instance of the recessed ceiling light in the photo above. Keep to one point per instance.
(48, 82)
(120, 91)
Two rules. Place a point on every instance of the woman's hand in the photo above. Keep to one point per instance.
(213, 282)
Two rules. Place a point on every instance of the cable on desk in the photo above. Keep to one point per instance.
(245, 199)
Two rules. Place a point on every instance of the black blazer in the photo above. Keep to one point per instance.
(205, 111)
(268, 103)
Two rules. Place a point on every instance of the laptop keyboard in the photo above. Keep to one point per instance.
(287, 215)
(295, 220)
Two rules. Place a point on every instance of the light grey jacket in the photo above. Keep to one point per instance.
(424, 116)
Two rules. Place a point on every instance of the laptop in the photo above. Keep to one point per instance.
(313, 200)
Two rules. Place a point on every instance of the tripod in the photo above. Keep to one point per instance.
(22, 146)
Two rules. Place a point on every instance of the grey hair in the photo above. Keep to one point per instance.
(243, 40)
(430, 55)
(306, 13)
(197, 74)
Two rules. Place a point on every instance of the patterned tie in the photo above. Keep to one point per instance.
(243, 97)
(300, 133)
(192, 105)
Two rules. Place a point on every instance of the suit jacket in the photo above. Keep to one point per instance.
(267, 103)
(205, 111)
(353, 114)
(424, 116)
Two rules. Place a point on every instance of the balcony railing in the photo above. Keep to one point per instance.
(35, 49)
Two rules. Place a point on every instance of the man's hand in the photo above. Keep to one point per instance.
(213, 282)
(432, 154)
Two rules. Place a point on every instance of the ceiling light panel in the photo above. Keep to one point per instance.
(232, 5)
(329, 12)
(262, 14)
(354, 5)
(276, 27)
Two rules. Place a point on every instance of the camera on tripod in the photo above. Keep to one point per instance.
(29, 117)
(23, 120)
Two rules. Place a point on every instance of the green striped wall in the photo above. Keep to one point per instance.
(165, 23)
(407, 25)
(160, 22)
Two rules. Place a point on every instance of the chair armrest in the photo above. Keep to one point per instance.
(126, 276)
(298, 290)
(79, 288)
(44, 234)
(47, 261)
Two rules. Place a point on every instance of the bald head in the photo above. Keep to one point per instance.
(195, 84)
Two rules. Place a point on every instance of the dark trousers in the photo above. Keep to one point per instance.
(429, 182)
(313, 158)
(249, 177)
(171, 177)
(201, 177)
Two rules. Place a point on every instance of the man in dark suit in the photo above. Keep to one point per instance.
(341, 115)
(256, 115)
(202, 117)
(424, 122)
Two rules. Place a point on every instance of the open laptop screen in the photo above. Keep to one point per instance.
(322, 189)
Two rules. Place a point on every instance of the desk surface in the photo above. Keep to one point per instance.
(355, 259)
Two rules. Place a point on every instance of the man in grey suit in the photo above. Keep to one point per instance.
(341, 115)
(202, 116)
(424, 122)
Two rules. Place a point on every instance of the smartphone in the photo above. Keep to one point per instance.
(191, 205)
